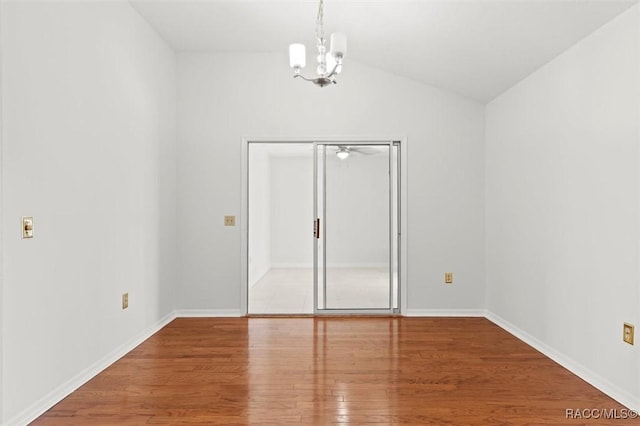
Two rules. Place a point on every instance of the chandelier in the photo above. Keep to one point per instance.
(329, 63)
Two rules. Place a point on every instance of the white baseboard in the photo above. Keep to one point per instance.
(207, 313)
(62, 391)
(333, 265)
(358, 265)
(620, 395)
(291, 266)
(445, 313)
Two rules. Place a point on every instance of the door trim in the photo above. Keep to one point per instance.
(354, 140)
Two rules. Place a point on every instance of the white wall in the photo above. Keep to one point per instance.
(357, 206)
(260, 217)
(355, 229)
(562, 177)
(88, 150)
(225, 97)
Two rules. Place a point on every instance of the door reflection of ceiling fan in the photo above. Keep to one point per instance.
(343, 151)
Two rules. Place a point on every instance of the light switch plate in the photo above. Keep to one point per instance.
(229, 221)
(627, 333)
(27, 227)
(448, 277)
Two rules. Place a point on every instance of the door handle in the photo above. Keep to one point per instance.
(316, 228)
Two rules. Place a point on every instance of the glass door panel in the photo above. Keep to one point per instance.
(356, 246)
(318, 230)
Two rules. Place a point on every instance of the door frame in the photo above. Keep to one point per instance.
(244, 208)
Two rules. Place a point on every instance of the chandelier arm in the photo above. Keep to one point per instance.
(303, 77)
(333, 71)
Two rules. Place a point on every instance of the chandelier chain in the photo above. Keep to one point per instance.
(320, 24)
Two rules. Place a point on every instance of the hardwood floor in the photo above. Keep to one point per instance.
(438, 371)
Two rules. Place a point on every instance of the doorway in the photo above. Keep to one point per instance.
(280, 252)
(322, 227)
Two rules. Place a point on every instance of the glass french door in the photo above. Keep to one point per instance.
(356, 253)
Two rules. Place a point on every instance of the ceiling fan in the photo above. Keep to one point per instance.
(343, 151)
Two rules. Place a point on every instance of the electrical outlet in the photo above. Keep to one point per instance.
(125, 300)
(627, 333)
(229, 221)
(448, 277)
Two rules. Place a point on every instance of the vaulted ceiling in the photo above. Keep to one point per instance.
(477, 48)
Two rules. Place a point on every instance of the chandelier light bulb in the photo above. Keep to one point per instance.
(338, 45)
(297, 56)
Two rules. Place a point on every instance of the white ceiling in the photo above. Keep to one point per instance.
(477, 48)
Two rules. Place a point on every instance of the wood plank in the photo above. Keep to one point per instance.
(307, 370)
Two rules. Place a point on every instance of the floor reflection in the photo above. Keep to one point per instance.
(322, 370)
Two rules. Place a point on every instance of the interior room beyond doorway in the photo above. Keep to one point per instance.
(280, 263)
